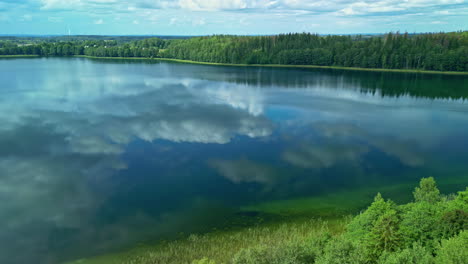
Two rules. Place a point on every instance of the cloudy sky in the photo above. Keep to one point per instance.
(200, 17)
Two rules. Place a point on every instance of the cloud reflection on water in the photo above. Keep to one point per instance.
(62, 133)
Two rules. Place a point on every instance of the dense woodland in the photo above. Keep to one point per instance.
(435, 51)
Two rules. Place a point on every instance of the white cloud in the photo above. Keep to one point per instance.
(173, 21)
(382, 6)
(59, 4)
(345, 7)
(334, 16)
(315, 11)
(216, 4)
(55, 19)
(199, 22)
(442, 12)
(99, 22)
(26, 17)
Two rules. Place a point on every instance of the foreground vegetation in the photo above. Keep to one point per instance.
(221, 246)
(431, 229)
(428, 52)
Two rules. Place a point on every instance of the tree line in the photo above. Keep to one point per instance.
(97, 48)
(432, 51)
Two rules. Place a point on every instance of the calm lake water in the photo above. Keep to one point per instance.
(96, 156)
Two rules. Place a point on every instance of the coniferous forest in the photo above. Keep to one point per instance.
(434, 51)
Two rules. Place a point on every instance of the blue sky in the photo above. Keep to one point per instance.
(203, 17)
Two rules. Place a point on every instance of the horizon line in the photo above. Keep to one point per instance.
(207, 35)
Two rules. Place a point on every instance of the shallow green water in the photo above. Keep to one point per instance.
(96, 156)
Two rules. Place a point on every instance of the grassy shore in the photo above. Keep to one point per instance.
(221, 246)
(117, 58)
(281, 65)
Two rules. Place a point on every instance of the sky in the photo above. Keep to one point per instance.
(246, 17)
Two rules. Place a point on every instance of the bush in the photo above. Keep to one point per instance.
(341, 251)
(415, 255)
(454, 250)
(204, 261)
(318, 244)
(294, 252)
(452, 223)
(260, 254)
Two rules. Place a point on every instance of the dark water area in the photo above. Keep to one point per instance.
(98, 155)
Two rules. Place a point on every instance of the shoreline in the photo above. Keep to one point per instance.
(222, 243)
(18, 56)
(257, 65)
(315, 67)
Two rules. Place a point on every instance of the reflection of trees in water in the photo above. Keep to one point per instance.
(385, 83)
(391, 84)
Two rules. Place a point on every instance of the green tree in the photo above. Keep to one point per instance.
(454, 218)
(420, 223)
(385, 235)
(427, 191)
(360, 227)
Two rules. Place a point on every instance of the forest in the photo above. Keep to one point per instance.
(431, 51)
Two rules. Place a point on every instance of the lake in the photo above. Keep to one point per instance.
(100, 155)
